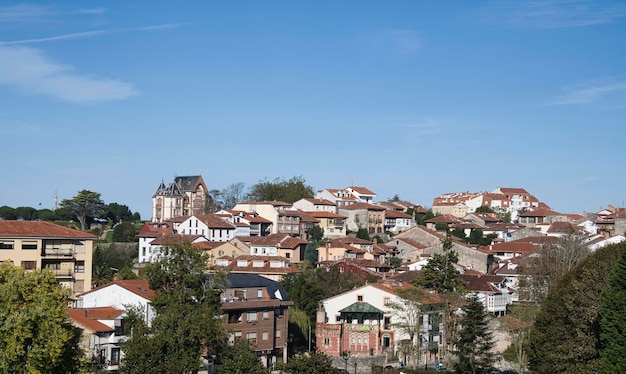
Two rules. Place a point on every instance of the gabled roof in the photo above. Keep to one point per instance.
(325, 214)
(154, 229)
(483, 283)
(213, 221)
(140, 287)
(397, 214)
(319, 201)
(273, 203)
(88, 317)
(273, 240)
(361, 190)
(40, 230)
(189, 183)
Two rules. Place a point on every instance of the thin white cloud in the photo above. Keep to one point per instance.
(592, 92)
(76, 35)
(555, 13)
(88, 34)
(24, 13)
(28, 71)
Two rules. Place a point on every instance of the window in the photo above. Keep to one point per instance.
(387, 300)
(79, 267)
(359, 298)
(29, 265)
(251, 336)
(266, 314)
(54, 266)
(115, 356)
(277, 333)
(326, 341)
(288, 255)
(7, 244)
(29, 245)
(259, 293)
(264, 335)
(251, 316)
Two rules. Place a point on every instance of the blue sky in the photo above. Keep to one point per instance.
(414, 98)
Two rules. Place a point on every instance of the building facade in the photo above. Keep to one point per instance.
(35, 245)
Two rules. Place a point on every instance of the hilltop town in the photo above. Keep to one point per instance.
(260, 243)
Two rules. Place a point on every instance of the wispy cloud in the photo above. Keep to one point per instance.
(75, 35)
(398, 42)
(555, 13)
(28, 71)
(24, 13)
(89, 34)
(592, 92)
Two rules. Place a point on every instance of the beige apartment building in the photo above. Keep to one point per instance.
(45, 245)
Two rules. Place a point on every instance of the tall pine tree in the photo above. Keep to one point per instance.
(475, 340)
(613, 320)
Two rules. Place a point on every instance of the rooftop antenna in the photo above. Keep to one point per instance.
(56, 200)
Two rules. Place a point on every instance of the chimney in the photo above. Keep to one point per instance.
(116, 277)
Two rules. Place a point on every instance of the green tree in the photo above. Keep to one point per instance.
(85, 206)
(36, 334)
(116, 213)
(239, 359)
(124, 232)
(565, 335)
(475, 340)
(613, 320)
(439, 273)
(311, 252)
(309, 363)
(46, 214)
(459, 233)
(316, 233)
(363, 234)
(288, 191)
(26, 213)
(109, 259)
(484, 209)
(187, 323)
(8, 213)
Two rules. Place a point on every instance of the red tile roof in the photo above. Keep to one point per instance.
(88, 317)
(139, 287)
(40, 229)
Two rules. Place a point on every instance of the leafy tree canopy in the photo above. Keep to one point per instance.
(187, 315)
(116, 213)
(85, 206)
(36, 335)
(311, 363)
(565, 335)
(124, 232)
(288, 191)
(239, 359)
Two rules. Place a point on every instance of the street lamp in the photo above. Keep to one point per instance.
(355, 364)
(346, 356)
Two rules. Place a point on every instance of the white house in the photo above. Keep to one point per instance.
(211, 226)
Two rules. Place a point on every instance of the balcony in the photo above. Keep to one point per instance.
(67, 253)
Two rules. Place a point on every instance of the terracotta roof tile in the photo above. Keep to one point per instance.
(40, 229)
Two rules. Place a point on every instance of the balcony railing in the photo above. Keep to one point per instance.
(58, 253)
